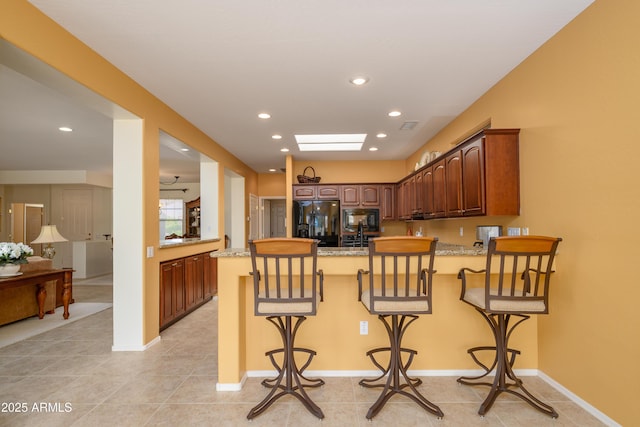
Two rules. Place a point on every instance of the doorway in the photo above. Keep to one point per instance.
(273, 221)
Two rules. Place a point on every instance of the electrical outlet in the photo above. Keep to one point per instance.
(364, 327)
(149, 251)
(525, 231)
(461, 231)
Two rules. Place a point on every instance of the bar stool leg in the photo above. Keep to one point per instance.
(396, 370)
(504, 367)
(289, 373)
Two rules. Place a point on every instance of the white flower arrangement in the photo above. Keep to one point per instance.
(14, 253)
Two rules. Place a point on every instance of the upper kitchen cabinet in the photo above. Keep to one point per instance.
(387, 199)
(360, 195)
(482, 175)
(316, 192)
(502, 171)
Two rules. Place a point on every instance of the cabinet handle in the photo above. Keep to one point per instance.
(174, 264)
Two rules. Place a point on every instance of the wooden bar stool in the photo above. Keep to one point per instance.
(516, 285)
(400, 273)
(285, 283)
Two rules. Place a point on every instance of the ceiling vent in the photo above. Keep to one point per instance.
(408, 125)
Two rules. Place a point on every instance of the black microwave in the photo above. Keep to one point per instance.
(369, 218)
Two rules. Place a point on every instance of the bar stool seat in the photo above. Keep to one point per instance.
(282, 272)
(400, 275)
(516, 285)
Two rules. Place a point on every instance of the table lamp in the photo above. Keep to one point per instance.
(49, 234)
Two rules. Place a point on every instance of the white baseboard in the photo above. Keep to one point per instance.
(578, 401)
(136, 347)
(232, 386)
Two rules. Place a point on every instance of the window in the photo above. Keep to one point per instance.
(171, 217)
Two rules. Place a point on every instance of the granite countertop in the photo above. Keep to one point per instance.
(171, 243)
(442, 249)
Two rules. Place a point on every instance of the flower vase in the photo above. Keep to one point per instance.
(9, 269)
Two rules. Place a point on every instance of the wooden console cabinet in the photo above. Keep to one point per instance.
(185, 284)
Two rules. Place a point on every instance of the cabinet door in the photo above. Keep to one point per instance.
(473, 179)
(418, 195)
(453, 185)
(370, 195)
(304, 192)
(439, 189)
(330, 192)
(178, 288)
(166, 293)
(405, 199)
(210, 276)
(387, 205)
(194, 280)
(350, 195)
(427, 193)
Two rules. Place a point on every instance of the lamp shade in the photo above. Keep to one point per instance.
(49, 234)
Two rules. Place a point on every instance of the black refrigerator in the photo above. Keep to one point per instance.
(317, 219)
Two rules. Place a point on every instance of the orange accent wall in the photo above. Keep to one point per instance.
(576, 100)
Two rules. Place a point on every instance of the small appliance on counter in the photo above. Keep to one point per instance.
(486, 232)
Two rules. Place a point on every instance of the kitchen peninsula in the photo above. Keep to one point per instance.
(441, 339)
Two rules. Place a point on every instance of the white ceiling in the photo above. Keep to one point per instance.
(220, 63)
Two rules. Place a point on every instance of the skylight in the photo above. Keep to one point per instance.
(331, 142)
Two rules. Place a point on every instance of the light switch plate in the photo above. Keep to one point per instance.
(364, 327)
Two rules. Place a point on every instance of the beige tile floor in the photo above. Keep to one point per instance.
(174, 384)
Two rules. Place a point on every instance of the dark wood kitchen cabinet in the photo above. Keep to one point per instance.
(185, 284)
(210, 276)
(194, 279)
(453, 184)
(328, 192)
(387, 202)
(360, 195)
(316, 192)
(480, 176)
(428, 210)
(172, 291)
(304, 192)
(473, 178)
(439, 189)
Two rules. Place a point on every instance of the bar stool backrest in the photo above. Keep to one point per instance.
(518, 272)
(285, 277)
(400, 275)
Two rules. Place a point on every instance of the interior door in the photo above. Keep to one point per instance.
(278, 218)
(76, 214)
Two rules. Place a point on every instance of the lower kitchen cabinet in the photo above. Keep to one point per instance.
(185, 284)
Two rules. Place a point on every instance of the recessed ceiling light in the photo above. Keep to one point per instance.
(264, 115)
(395, 113)
(65, 129)
(276, 136)
(184, 149)
(284, 150)
(272, 170)
(359, 81)
(381, 135)
(373, 149)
